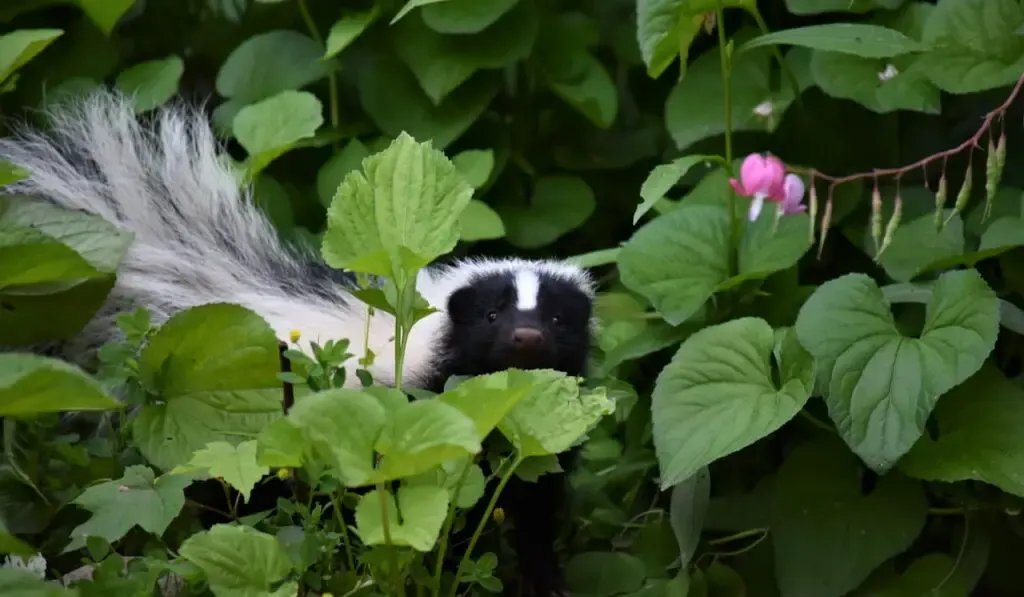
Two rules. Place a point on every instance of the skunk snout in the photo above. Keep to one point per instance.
(527, 337)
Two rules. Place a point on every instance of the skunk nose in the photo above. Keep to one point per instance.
(527, 336)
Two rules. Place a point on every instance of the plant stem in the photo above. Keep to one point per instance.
(778, 55)
(392, 555)
(332, 78)
(483, 521)
(726, 60)
(336, 502)
(448, 522)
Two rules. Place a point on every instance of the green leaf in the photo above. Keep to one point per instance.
(717, 394)
(475, 165)
(24, 583)
(573, 73)
(858, 39)
(693, 110)
(559, 205)
(331, 174)
(152, 83)
(687, 509)
(881, 384)
(105, 13)
(554, 414)
(447, 476)
(18, 47)
(918, 247)
(349, 27)
(603, 574)
(680, 259)
(269, 63)
(974, 46)
(666, 28)
(661, 179)
(827, 535)
(813, 7)
(410, 440)
(978, 435)
(31, 384)
(9, 173)
(137, 498)
(408, 197)
(487, 399)
(461, 17)
(392, 97)
(441, 63)
(269, 128)
(410, 5)
(423, 512)
(235, 464)
(480, 222)
(215, 369)
(930, 574)
(237, 559)
(882, 85)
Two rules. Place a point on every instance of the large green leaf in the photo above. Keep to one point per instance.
(573, 73)
(270, 127)
(857, 39)
(348, 28)
(559, 205)
(666, 28)
(918, 246)
(236, 465)
(974, 44)
(423, 512)
(214, 369)
(717, 395)
(811, 7)
(979, 435)
(105, 13)
(137, 498)
(152, 83)
(678, 260)
(604, 573)
(392, 97)
(827, 534)
(693, 110)
(31, 384)
(269, 63)
(882, 385)
(882, 84)
(464, 16)
(407, 199)
(18, 47)
(441, 63)
(237, 559)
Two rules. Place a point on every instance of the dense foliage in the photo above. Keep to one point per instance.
(816, 403)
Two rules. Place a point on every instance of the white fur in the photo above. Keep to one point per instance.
(527, 289)
(199, 239)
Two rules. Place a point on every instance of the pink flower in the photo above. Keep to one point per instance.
(793, 196)
(761, 177)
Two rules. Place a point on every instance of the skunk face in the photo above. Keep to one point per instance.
(522, 318)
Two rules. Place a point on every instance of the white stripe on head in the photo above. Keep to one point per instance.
(527, 288)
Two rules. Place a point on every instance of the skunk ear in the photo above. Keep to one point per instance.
(462, 304)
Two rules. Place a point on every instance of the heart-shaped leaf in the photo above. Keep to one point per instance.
(882, 385)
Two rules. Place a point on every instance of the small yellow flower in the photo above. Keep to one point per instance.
(284, 473)
(498, 515)
(294, 336)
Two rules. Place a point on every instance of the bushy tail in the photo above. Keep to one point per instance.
(198, 236)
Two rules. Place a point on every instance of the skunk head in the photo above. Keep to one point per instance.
(515, 313)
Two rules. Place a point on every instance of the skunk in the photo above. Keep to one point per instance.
(199, 238)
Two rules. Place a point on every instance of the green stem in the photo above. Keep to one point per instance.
(483, 521)
(737, 536)
(336, 502)
(448, 522)
(332, 79)
(392, 554)
(726, 60)
(778, 55)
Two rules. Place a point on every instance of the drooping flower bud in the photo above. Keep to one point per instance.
(813, 201)
(890, 228)
(993, 172)
(876, 217)
(940, 201)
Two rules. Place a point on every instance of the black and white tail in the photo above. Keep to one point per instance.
(198, 236)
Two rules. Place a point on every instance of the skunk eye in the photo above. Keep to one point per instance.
(492, 315)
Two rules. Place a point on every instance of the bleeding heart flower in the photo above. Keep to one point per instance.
(792, 202)
(761, 177)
